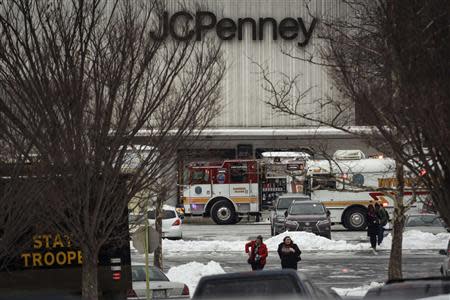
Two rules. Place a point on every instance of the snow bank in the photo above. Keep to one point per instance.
(310, 241)
(416, 239)
(357, 291)
(200, 246)
(191, 273)
(305, 240)
(412, 240)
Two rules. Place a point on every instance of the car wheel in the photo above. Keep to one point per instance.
(355, 218)
(223, 213)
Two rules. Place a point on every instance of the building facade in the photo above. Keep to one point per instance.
(255, 34)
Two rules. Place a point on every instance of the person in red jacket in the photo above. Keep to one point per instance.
(257, 253)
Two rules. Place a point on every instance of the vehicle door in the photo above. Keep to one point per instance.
(239, 186)
(199, 189)
(219, 182)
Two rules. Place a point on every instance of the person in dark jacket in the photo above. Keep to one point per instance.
(257, 253)
(289, 254)
(383, 217)
(373, 226)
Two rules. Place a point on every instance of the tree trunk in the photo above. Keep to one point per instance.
(395, 259)
(157, 255)
(89, 275)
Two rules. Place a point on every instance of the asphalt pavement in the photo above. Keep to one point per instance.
(325, 268)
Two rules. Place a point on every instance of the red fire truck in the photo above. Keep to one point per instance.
(224, 190)
(230, 189)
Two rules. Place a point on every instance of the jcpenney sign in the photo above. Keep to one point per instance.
(228, 29)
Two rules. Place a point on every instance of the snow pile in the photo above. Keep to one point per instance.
(416, 239)
(191, 273)
(357, 291)
(305, 240)
(412, 240)
(310, 241)
(200, 246)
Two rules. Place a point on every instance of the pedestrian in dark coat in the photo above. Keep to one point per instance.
(373, 226)
(289, 254)
(383, 218)
(257, 253)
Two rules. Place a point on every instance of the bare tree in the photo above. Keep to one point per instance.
(83, 81)
(388, 60)
(20, 196)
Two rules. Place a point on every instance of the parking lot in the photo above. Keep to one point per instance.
(325, 268)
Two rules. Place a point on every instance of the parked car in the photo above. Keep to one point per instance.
(445, 268)
(160, 285)
(171, 223)
(282, 203)
(271, 284)
(426, 223)
(410, 289)
(309, 216)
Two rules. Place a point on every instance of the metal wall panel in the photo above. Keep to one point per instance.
(243, 98)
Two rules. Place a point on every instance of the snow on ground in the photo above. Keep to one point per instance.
(415, 239)
(412, 240)
(195, 246)
(357, 291)
(310, 241)
(191, 273)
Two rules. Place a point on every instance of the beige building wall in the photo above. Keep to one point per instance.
(243, 96)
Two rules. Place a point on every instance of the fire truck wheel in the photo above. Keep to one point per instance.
(223, 213)
(355, 218)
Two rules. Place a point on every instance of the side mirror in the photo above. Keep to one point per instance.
(442, 252)
(286, 214)
(328, 213)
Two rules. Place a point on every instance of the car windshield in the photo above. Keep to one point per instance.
(155, 274)
(167, 214)
(246, 287)
(431, 221)
(306, 209)
(283, 203)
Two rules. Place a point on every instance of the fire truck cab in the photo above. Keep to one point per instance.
(225, 191)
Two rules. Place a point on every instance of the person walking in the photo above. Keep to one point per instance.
(257, 253)
(383, 218)
(373, 226)
(289, 254)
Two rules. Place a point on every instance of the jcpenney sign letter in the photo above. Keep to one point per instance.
(228, 29)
